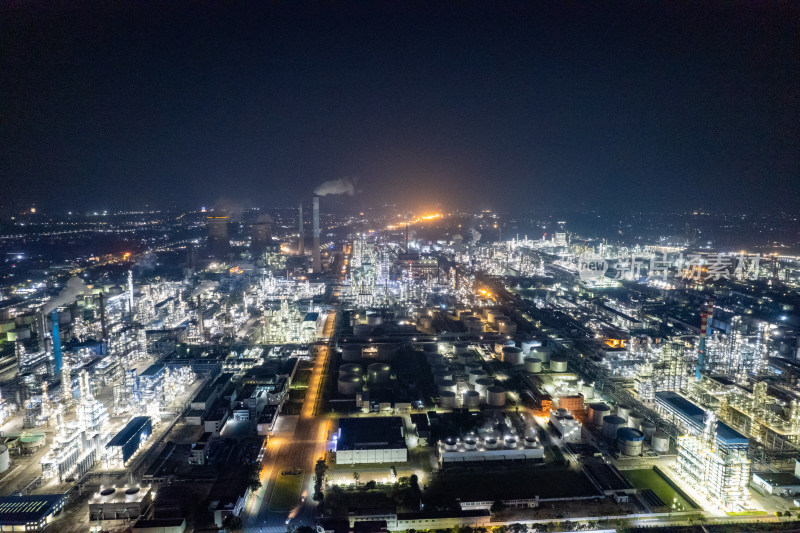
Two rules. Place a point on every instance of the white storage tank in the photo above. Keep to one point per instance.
(483, 384)
(648, 428)
(612, 424)
(471, 398)
(499, 345)
(528, 345)
(491, 315)
(473, 325)
(447, 385)
(496, 396)
(512, 355)
(447, 399)
(623, 411)
(349, 384)
(490, 443)
(475, 374)
(533, 365)
(374, 318)
(635, 421)
(450, 444)
(558, 363)
(597, 411)
(510, 442)
(379, 373)
(351, 352)
(541, 353)
(470, 443)
(350, 368)
(629, 441)
(5, 458)
(660, 442)
(587, 391)
(460, 347)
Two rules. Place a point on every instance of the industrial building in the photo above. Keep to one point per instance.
(125, 443)
(29, 513)
(370, 440)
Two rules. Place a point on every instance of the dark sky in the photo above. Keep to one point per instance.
(652, 105)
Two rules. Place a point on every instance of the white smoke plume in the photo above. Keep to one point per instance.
(75, 287)
(341, 186)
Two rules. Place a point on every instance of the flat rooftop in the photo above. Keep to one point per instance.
(371, 433)
(20, 510)
(779, 479)
(132, 428)
(726, 435)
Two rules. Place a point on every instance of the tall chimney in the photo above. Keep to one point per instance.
(315, 258)
(301, 232)
(200, 325)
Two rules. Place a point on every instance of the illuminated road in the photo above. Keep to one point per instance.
(299, 448)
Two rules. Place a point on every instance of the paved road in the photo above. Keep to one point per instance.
(298, 448)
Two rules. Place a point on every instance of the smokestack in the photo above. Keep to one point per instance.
(315, 257)
(130, 291)
(57, 359)
(301, 232)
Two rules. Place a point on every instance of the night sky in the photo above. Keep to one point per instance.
(653, 105)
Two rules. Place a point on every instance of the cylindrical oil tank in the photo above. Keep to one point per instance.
(439, 377)
(660, 442)
(612, 424)
(648, 428)
(471, 398)
(496, 396)
(470, 443)
(459, 347)
(458, 369)
(472, 364)
(350, 368)
(483, 384)
(623, 411)
(475, 374)
(450, 444)
(629, 441)
(387, 352)
(533, 364)
(512, 355)
(530, 442)
(379, 373)
(351, 352)
(473, 325)
(558, 363)
(510, 442)
(349, 384)
(447, 385)
(490, 443)
(597, 411)
(491, 314)
(5, 459)
(499, 345)
(506, 326)
(635, 421)
(447, 399)
(529, 344)
(363, 330)
(541, 353)
(587, 391)
(374, 319)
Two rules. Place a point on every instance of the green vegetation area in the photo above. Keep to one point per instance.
(649, 478)
(543, 481)
(286, 493)
(301, 379)
(404, 495)
(747, 513)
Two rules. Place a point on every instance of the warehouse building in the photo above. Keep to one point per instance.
(29, 513)
(370, 440)
(129, 439)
